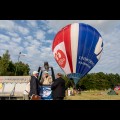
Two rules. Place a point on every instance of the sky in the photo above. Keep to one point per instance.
(33, 38)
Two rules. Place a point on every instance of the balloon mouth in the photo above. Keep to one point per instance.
(75, 76)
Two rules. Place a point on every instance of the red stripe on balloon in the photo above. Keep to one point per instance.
(57, 40)
(67, 41)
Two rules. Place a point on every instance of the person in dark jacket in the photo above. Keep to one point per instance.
(34, 84)
(58, 88)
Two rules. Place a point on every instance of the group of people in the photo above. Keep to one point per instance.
(57, 86)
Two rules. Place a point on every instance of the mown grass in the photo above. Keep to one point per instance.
(94, 95)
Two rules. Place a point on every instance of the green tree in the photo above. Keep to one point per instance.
(99, 81)
(21, 69)
(11, 69)
(8, 68)
(4, 63)
(68, 82)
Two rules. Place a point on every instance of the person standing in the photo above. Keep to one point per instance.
(46, 79)
(58, 87)
(34, 85)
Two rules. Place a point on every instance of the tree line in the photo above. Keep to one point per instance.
(95, 81)
(8, 68)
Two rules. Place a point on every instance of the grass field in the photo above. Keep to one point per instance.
(94, 95)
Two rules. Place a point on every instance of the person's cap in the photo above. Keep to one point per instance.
(35, 72)
(46, 72)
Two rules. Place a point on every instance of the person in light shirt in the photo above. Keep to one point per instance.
(46, 79)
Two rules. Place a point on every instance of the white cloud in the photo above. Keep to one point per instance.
(40, 35)
(13, 48)
(11, 26)
(4, 38)
(26, 44)
(36, 43)
(22, 30)
(49, 42)
(17, 40)
(32, 23)
(50, 31)
(13, 34)
(7, 25)
(29, 38)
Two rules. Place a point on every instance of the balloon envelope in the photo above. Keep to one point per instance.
(77, 48)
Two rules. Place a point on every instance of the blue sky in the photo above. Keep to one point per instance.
(34, 39)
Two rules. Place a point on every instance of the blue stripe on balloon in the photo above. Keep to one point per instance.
(91, 56)
(88, 38)
(86, 51)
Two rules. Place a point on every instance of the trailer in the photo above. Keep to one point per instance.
(12, 87)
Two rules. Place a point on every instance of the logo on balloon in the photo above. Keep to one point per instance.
(60, 58)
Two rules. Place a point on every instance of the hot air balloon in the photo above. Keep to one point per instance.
(77, 48)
